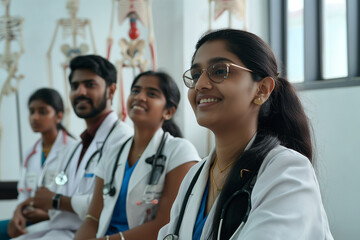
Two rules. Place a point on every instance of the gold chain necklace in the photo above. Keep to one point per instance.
(212, 179)
(226, 167)
(214, 183)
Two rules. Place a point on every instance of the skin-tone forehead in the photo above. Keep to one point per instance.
(81, 75)
(149, 82)
(212, 52)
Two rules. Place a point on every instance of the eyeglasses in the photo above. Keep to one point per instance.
(217, 73)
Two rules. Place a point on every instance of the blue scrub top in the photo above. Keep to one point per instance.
(119, 221)
(201, 218)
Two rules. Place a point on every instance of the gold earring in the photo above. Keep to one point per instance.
(257, 101)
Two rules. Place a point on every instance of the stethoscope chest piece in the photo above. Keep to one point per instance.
(108, 190)
(171, 237)
(61, 179)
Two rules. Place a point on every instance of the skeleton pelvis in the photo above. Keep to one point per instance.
(71, 52)
(132, 49)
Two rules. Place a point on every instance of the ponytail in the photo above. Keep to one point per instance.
(171, 127)
(61, 127)
(283, 116)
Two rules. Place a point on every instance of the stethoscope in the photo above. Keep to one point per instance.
(62, 178)
(244, 191)
(158, 165)
(33, 152)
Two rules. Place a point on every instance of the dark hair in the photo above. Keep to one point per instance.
(172, 96)
(281, 119)
(50, 97)
(97, 64)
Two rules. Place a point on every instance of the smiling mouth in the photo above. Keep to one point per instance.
(138, 107)
(209, 100)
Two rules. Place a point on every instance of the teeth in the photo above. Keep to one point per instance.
(138, 107)
(208, 100)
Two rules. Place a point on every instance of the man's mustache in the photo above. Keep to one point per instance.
(76, 100)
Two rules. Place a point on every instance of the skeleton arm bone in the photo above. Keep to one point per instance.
(152, 43)
(48, 54)
(110, 37)
(92, 36)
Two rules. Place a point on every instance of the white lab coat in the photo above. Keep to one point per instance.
(286, 202)
(177, 151)
(63, 224)
(33, 174)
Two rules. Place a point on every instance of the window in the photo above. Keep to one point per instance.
(334, 39)
(295, 40)
(316, 41)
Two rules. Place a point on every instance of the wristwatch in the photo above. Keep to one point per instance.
(56, 201)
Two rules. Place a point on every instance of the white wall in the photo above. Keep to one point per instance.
(335, 116)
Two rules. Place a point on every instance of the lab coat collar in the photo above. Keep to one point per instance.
(60, 141)
(192, 204)
(142, 168)
(96, 144)
(100, 135)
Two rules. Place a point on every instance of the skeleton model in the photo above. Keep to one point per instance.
(236, 7)
(72, 27)
(132, 51)
(10, 31)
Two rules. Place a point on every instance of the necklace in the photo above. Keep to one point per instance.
(226, 167)
(46, 151)
(212, 180)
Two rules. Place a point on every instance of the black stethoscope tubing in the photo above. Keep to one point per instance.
(154, 176)
(110, 190)
(175, 235)
(97, 151)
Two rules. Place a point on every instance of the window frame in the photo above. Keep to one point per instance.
(313, 38)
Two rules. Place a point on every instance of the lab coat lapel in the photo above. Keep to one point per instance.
(117, 183)
(53, 154)
(96, 143)
(194, 201)
(56, 147)
(143, 169)
(209, 220)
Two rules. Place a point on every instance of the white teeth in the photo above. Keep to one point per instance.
(138, 107)
(208, 100)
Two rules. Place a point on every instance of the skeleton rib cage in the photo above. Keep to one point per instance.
(71, 28)
(10, 28)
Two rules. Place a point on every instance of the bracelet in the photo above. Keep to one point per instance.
(92, 217)
(107, 237)
(121, 235)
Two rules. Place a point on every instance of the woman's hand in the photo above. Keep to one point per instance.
(35, 215)
(17, 225)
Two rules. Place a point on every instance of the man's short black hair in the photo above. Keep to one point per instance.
(97, 64)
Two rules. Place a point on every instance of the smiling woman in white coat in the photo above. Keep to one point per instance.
(41, 160)
(137, 181)
(258, 182)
